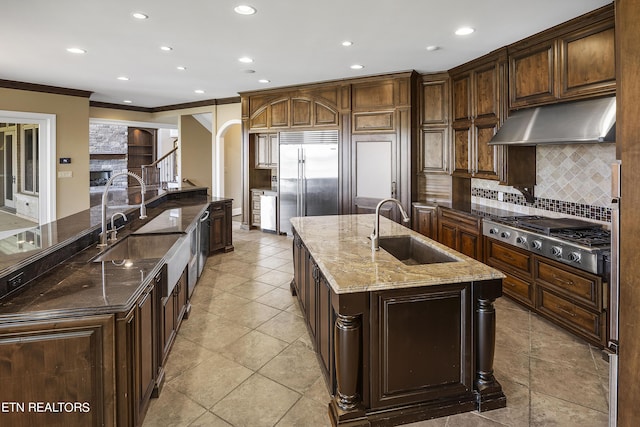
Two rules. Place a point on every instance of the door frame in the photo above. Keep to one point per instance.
(14, 167)
(47, 158)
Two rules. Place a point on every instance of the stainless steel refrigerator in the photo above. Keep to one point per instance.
(308, 175)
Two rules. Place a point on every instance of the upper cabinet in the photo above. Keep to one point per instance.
(433, 144)
(570, 61)
(479, 107)
(267, 150)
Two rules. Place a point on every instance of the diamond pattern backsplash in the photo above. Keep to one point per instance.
(573, 179)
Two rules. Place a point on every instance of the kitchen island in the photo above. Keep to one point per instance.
(401, 337)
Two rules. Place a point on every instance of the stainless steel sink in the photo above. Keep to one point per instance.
(412, 251)
(140, 247)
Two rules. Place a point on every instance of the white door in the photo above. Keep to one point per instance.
(10, 142)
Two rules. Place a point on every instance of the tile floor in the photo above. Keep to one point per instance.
(244, 358)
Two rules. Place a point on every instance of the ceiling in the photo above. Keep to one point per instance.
(291, 42)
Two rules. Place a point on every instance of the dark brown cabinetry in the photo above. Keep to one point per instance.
(433, 153)
(220, 234)
(460, 231)
(425, 220)
(571, 61)
(267, 150)
(60, 360)
(568, 296)
(137, 355)
(141, 150)
(479, 101)
(173, 310)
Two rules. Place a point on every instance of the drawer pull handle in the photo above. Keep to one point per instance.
(566, 282)
(566, 311)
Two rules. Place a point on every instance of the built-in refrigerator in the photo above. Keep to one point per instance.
(308, 175)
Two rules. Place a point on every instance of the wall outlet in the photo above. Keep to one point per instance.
(500, 196)
(65, 174)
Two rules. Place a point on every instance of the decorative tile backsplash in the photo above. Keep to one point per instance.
(572, 179)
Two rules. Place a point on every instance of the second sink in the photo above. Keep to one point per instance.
(412, 251)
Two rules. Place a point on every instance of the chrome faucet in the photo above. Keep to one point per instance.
(143, 208)
(114, 230)
(375, 236)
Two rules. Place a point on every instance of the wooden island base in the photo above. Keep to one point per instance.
(401, 354)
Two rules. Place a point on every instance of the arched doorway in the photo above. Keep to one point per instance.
(227, 164)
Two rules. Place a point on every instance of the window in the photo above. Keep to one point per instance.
(30, 149)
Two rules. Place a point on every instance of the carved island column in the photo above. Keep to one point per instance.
(347, 406)
(488, 390)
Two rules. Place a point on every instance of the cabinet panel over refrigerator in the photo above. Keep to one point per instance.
(308, 181)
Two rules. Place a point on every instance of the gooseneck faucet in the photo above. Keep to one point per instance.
(375, 237)
(143, 208)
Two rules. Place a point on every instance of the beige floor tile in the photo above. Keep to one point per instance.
(272, 262)
(517, 411)
(294, 308)
(278, 298)
(472, 419)
(306, 412)
(548, 411)
(513, 330)
(296, 358)
(286, 268)
(275, 278)
(211, 380)
(258, 402)
(213, 332)
(209, 420)
(512, 365)
(285, 326)
(254, 349)
(172, 408)
(319, 392)
(251, 315)
(220, 303)
(567, 383)
(219, 279)
(436, 422)
(184, 355)
(251, 289)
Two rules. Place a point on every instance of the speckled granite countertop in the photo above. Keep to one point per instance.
(340, 246)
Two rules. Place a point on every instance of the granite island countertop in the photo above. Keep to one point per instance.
(341, 247)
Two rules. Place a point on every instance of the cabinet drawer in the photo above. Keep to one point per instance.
(256, 219)
(461, 220)
(518, 289)
(581, 286)
(508, 257)
(256, 203)
(578, 319)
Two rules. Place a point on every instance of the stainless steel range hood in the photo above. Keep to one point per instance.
(588, 121)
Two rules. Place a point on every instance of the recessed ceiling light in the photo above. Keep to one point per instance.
(347, 43)
(139, 15)
(244, 9)
(166, 48)
(127, 101)
(357, 67)
(199, 91)
(264, 81)
(76, 50)
(432, 48)
(249, 71)
(245, 60)
(464, 31)
(181, 68)
(123, 78)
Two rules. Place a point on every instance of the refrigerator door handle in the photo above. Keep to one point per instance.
(303, 180)
(299, 184)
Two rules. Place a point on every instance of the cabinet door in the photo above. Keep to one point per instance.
(447, 234)
(145, 360)
(532, 75)
(312, 293)
(262, 151)
(168, 325)
(485, 155)
(424, 221)
(462, 97)
(325, 324)
(587, 61)
(217, 236)
(273, 150)
(461, 141)
(485, 92)
(181, 299)
(433, 150)
(469, 243)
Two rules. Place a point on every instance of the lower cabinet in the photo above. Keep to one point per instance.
(137, 356)
(220, 237)
(68, 362)
(425, 221)
(173, 310)
(571, 298)
(460, 231)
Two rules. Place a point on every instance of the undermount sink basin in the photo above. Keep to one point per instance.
(412, 251)
(140, 247)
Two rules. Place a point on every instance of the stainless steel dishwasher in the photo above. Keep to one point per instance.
(268, 213)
